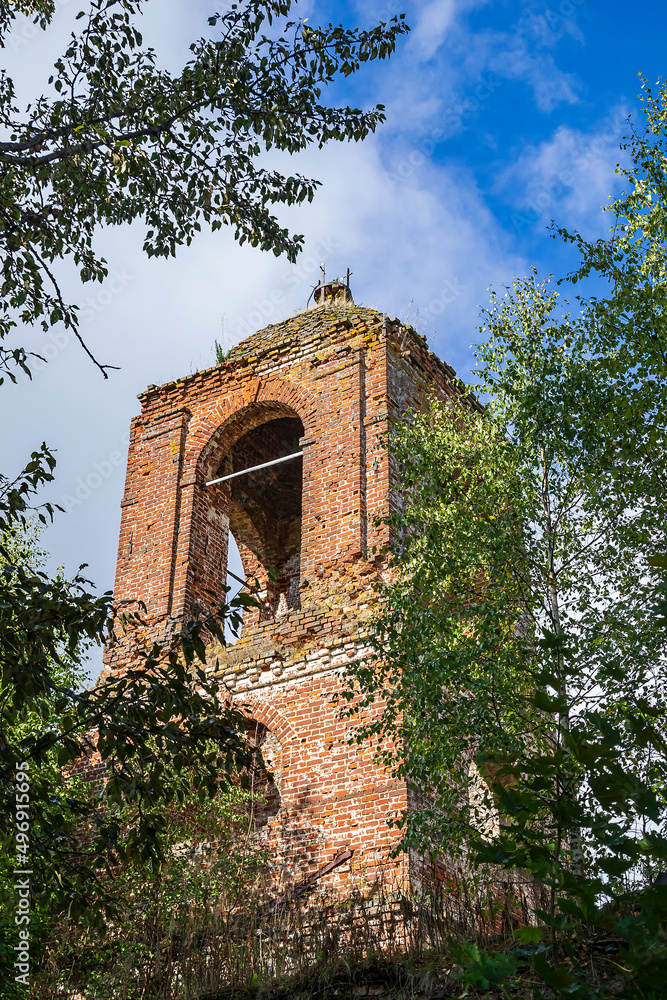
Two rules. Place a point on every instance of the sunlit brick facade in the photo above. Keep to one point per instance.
(328, 382)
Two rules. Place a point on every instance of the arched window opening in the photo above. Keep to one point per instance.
(265, 508)
(264, 794)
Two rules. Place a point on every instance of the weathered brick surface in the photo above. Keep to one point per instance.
(329, 382)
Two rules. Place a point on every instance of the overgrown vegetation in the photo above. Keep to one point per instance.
(525, 628)
(225, 921)
(163, 732)
(220, 353)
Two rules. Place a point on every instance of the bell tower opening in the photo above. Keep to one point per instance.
(265, 506)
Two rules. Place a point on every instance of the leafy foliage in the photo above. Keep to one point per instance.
(525, 623)
(160, 730)
(119, 139)
(162, 914)
(444, 647)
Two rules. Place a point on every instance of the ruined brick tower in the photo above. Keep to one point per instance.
(328, 383)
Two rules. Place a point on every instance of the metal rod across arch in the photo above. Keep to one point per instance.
(254, 468)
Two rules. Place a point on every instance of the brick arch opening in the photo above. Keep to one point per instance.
(265, 508)
(234, 426)
(261, 509)
(265, 799)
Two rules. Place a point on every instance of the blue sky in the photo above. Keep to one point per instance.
(501, 116)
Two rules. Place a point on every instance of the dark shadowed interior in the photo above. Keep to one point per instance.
(265, 506)
(265, 793)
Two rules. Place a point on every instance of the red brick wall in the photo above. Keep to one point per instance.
(345, 373)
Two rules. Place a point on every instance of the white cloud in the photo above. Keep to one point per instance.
(433, 25)
(568, 177)
(436, 22)
(516, 60)
(448, 70)
(547, 27)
